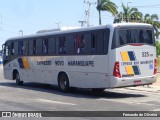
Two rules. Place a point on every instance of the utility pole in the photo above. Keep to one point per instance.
(20, 32)
(88, 12)
(82, 23)
(58, 24)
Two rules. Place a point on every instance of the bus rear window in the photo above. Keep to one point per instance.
(133, 36)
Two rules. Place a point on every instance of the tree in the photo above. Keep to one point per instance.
(158, 47)
(128, 15)
(153, 20)
(106, 5)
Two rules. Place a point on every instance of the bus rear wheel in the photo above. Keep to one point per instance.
(18, 80)
(63, 82)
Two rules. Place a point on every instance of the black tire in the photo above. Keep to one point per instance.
(18, 80)
(63, 82)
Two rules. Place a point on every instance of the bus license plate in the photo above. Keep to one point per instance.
(137, 82)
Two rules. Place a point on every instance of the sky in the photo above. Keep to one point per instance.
(34, 15)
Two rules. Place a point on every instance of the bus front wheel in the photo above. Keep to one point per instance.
(18, 80)
(63, 82)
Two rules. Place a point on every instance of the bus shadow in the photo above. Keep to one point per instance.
(80, 93)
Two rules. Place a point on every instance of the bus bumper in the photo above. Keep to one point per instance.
(125, 82)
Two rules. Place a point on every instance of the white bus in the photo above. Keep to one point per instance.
(97, 58)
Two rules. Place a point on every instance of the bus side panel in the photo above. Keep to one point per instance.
(7, 72)
(8, 69)
(96, 80)
(93, 76)
(50, 77)
(112, 59)
(76, 79)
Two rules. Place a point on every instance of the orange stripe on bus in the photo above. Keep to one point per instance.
(129, 70)
(125, 56)
(25, 63)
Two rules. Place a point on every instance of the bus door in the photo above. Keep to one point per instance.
(5, 53)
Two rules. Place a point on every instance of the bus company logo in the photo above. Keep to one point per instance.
(131, 69)
(23, 63)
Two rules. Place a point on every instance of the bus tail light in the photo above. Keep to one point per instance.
(155, 68)
(116, 71)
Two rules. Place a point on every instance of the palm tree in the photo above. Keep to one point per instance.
(158, 47)
(106, 5)
(153, 20)
(128, 15)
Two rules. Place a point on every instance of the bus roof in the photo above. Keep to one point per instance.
(111, 26)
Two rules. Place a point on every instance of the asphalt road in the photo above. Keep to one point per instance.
(38, 97)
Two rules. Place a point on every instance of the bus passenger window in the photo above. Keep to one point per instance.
(12, 48)
(93, 43)
(20, 48)
(26, 47)
(77, 44)
(45, 46)
(62, 45)
(82, 44)
(34, 47)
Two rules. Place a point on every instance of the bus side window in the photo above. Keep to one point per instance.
(26, 47)
(39, 46)
(87, 43)
(34, 47)
(69, 45)
(77, 45)
(82, 43)
(100, 42)
(45, 46)
(20, 48)
(62, 45)
(16, 48)
(51, 46)
(30, 47)
(93, 43)
(12, 48)
(106, 40)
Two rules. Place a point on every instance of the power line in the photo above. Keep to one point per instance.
(157, 5)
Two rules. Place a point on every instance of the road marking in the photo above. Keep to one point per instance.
(55, 102)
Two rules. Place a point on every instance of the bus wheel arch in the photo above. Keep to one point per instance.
(16, 77)
(14, 74)
(63, 82)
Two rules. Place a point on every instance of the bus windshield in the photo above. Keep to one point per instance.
(133, 36)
